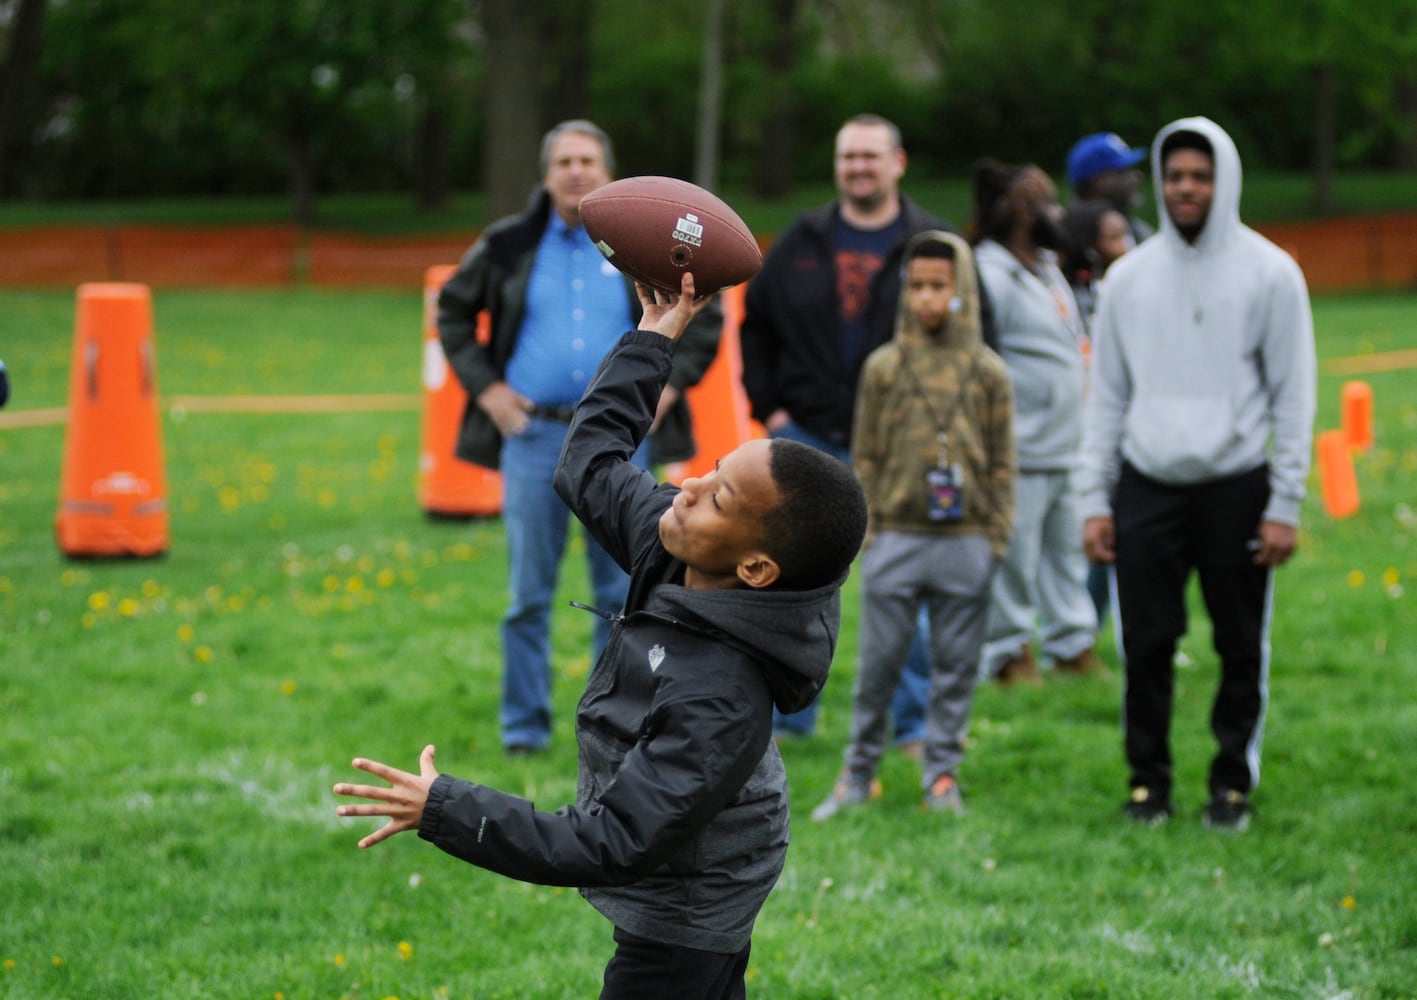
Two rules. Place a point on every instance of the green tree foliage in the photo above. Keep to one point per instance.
(171, 97)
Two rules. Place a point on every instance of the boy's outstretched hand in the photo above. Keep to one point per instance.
(668, 313)
(403, 803)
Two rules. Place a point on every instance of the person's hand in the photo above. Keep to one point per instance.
(509, 409)
(777, 420)
(1099, 540)
(1275, 544)
(668, 313)
(403, 803)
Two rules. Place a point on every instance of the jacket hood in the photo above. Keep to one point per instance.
(1223, 221)
(791, 633)
(963, 331)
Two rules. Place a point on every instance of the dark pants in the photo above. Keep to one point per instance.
(642, 969)
(1162, 533)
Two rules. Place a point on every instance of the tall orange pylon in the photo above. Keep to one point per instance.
(448, 486)
(113, 499)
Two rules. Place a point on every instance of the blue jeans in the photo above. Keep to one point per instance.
(908, 706)
(536, 522)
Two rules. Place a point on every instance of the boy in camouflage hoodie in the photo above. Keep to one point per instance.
(933, 447)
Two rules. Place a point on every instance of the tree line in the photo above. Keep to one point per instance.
(144, 98)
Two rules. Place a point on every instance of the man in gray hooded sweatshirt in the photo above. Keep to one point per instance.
(1196, 449)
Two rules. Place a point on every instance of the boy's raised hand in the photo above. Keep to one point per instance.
(668, 313)
(403, 803)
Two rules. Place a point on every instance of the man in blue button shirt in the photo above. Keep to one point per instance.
(556, 306)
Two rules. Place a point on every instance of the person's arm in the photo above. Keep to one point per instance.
(760, 344)
(464, 297)
(617, 502)
(999, 440)
(668, 787)
(1289, 366)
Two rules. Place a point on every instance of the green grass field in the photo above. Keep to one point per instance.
(170, 730)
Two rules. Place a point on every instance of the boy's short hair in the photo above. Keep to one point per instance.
(935, 249)
(1185, 139)
(816, 528)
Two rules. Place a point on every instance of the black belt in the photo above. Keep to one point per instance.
(560, 414)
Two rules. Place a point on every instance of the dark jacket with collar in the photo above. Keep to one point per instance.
(680, 826)
(493, 277)
(791, 334)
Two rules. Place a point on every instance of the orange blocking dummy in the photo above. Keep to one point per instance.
(113, 491)
(448, 486)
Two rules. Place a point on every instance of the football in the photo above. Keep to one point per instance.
(656, 228)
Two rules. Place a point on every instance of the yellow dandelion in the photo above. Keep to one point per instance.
(1391, 577)
(128, 607)
(1355, 578)
(9, 964)
(89, 619)
(185, 632)
(57, 961)
(151, 588)
(339, 961)
(68, 578)
(405, 950)
(203, 654)
(354, 584)
(330, 583)
(287, 687)
(326, 498)
(229, 497)
(1349, 902)
(6, 586)
(386, 578)
(98, 600)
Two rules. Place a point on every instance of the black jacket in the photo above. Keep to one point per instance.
(791, 333)
(493, 277)
(680, 827)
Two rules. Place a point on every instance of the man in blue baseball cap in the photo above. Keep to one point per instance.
(1102, 165)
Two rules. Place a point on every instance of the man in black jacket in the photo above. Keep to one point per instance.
(734, 607)
(825, 299)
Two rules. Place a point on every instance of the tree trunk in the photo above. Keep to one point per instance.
(773, 176)
(300, 176)
(514, 58)
(1325, 124)
(26, 28)
(431, 155)
(1404, 156)
(710, 95)
(565, 60)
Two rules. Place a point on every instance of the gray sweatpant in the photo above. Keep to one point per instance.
(950, 576)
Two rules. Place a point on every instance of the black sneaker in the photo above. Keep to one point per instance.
(1229, 810)
(1148, 807)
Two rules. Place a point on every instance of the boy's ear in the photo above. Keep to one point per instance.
(758, 570)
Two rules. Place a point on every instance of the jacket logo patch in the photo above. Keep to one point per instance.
(656, 657)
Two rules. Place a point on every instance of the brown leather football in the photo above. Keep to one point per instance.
(656, 228)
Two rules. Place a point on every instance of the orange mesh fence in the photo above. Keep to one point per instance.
(1349, 254)
(389, 262)
(66, 256)
(1364, 252)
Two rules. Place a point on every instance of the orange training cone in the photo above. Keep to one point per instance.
(718, 403)
(1358, 415)
(1336, 476)
(448, 486)
(113, 491)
